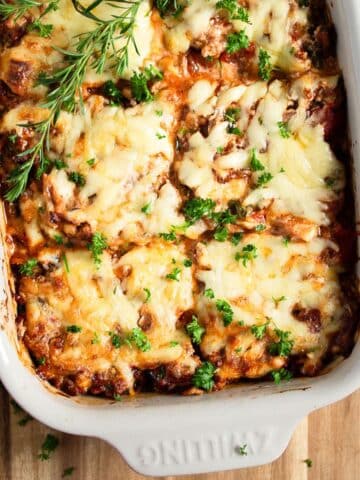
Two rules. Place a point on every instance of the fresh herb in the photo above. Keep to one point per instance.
(159, 113)
(265, 67)
(197, 208)
(173, 343)
(284, 346)
(259, 330)
(236, 238)
(12, 138)
(77, 178)
(139, 339)
(25, 420)
(160, 136)
(96, 340)
(204, 376)
(224, 307)
(241, 450)
(308, 462)
(97, 245)
(264, 179)
(147, 208)
(112, 92)
(209, 293)
(116, 340)
(234, 10)
(91, 162)
(284, 129)
(59, 164)
(195, 330)
(64, 259)
(41, 361)
(117, 397)
(59, 239)
(73, 329)
(278, 300)
(234, 130)
(67, 472)
(282, 374)
(169, 7)
(174, 275)
(286, 240)
(27, 268)
(237, 41)
(260, 228)
(93, 49)
(49, 445)
(220, 150)
(169, 237)
(232, 115)
(148, 295)
(248, 253)
(187, 262)
(139, 83)
(255, 163)
(221, 234)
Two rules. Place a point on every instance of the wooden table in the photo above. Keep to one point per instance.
(329, 437)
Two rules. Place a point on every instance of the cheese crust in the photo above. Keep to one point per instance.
(197, 236)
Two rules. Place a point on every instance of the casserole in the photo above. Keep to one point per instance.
(178, 448)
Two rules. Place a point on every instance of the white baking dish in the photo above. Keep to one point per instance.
(169, 435)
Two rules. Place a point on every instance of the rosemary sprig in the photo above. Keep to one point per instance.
(18, 8)
(92, 49)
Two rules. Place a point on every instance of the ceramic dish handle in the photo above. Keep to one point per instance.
(218, 447)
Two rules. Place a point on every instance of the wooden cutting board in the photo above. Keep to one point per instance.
(329, 437)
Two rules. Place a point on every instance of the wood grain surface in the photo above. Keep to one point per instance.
(329, 437)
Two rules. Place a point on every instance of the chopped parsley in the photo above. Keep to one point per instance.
(248, 253)
(235, 11)
(160, 136)
(117, 397)
(234, 130)
(169, 237)
(284, 346)
(77, 178)
(209, 293)
(67, 472)
(219, 150)
(59, 239)
(116, 340)
(96, 339)
(27, 268)
(282, 374)
(259, 330)
(308, 462)
(237, 41)
(147, 208)
(91, 162)
(59, 164)
(187, 262)
(284, 129)
(195, 330)
(174, 275)
(112, 93)
(265, 67)
(49, 445)
(148, 295)
(196, 208)
(264, 179)
(221, 234)
(286, 240)
(73, 329)
(236, 238)
(241, 450)
(139, 339)
(44, 30)
(159, 113)
(12, 138)
(232, 115)
(260, 228)
(173, 343)
(25, 420)
(224, 307)
(204, 376)
(278, 300)
(139, 83)
(255, 163)
(169, 7)
(97, 245)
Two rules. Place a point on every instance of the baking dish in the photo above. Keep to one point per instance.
(203, 432)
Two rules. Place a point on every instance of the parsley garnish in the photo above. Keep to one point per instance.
(147, 208)
(227, 312)
(278, 300)
(173, 343)
(241, 450)
(44, 30)
(67, 472)
(265, 67)
(73, 329)
(115, 340)
(91, 162)
(58, 239)
(284, 129)
(264, 179)
(209, 293)
(249, 252)
(174, 275)
(169, 237)
(260, 228)
(112, 93)
(139, 83)
(96, 340)
(286, 240)
(308, 462)
(284, 346)
(148, 295)
(139, 339)
(27, 268)
(117, 397)
(49, 445)
(12, 138)
(236, 238)
(59, 164)
(232, 115)
(97, 245)
(221, 234)
(169, 7)
(187, 262)
(237, 41)
(77, 178)
(195, 330)
(255, 163)
(235, 11)
(282, 374)
(259, 330)
(204, 376)
(197, 208)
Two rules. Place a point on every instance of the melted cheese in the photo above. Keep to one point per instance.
(295, 273)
